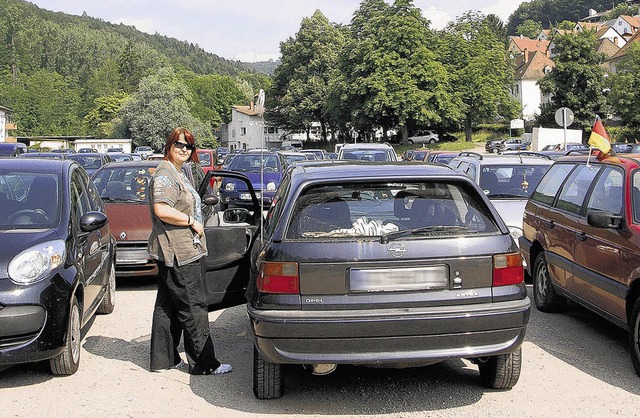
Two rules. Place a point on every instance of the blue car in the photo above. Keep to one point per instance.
(264, 169)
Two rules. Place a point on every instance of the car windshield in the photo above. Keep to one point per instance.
(128, 184)
(389, 211)
(87, 161)
(515, 181)
(253, 162)
(29, 200)
(365, 155)
(291, 158)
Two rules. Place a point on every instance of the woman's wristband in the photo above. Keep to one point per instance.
(189, 223)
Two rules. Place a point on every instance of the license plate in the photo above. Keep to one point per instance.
(399, 279)
(132, 256)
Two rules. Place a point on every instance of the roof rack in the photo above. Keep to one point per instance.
(534, 154)
(470, 154)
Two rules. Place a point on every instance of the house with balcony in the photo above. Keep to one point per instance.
(7, 125)
(248, 130)
(530, 67)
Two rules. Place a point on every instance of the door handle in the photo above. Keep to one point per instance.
(548, 224)
(581, 236)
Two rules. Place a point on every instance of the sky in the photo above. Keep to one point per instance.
(250, 30)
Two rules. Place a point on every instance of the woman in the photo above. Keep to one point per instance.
(178, 243)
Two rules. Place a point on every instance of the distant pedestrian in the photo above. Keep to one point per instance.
(178, 243)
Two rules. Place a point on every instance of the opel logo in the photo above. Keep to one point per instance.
(123, 235)
(397, 250)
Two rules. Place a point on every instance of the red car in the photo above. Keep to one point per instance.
(123, 188)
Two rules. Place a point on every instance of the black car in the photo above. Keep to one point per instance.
(376, 264)
(57, 268)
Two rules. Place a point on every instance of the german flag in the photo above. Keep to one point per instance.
(599, 137)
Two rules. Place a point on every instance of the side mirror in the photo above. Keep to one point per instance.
(604, 219)
(210, 200)
(236, 215)
(91, 221)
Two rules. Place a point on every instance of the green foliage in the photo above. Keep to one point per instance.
(301, 83)
(529, 29)
(101, 119)
(482, 71)
(620, 10)
(158, 106)
(44, 103)
(624, 85)
(95, 60)
(576, 82)
(550, 12)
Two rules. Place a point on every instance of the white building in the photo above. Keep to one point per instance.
(530, 67)
(247, 129)
(6, 124)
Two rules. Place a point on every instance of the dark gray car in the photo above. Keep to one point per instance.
(382, 263)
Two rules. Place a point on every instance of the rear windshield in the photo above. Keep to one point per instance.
(252, 163)
(29, 200)
(515, 181)
(365, 155)
(88, 162)
(390, 209)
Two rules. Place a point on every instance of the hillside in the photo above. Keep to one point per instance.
(552, 12)
(31, 37)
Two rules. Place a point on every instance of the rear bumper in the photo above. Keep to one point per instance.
(390, 335)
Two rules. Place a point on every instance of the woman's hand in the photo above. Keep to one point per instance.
(198, 228)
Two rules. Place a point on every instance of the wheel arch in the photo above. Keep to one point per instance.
(632, 296)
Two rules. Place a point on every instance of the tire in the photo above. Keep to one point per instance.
(109, 298)
(268, 378)
(67, 362)
(544, 294)
(432, 141)
(634, 336)
(410, 142)
(501, 371)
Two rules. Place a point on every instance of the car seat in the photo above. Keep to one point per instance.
(116, 190)
(489, 181)
(43, 194)
(322, 217)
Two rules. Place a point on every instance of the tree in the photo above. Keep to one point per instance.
(529, 29)
(621, 9)
(102, 118)
(301, 82)
(390, 76)
(576, 81)
(481, 69)
(625, 83)
(158, 106)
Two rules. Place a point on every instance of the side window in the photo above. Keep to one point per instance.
(551, 182)
(472, 172)
(275, 211)
(80, 203)
(95, 203)
(575, 189)
(608, 192)
(635, 196)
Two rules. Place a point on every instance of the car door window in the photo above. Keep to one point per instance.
(551, 183)
(635, 195)
(607, 192)
(80, 203)
(575, 189)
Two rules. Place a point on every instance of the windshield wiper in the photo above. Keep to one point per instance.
(422, 230)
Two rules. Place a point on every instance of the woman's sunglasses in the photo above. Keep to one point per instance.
(182, 145)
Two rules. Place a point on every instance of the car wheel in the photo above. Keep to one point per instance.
(268, 378)
(634, 336)
(544, 294)
(410, 142)
(109, 298)
(432, 141)
(67, 362)
(501, 371)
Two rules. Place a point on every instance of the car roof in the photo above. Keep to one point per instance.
(342, 169)
(511, 159)
(127, 164)
(367, 145)
(36, 164)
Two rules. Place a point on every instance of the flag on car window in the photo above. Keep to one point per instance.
(599, 137)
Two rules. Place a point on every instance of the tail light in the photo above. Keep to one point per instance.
(507, 269)
(277, 277)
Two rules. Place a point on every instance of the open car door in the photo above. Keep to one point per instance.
(230, 236)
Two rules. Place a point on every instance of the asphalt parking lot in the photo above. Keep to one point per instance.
(574, 364)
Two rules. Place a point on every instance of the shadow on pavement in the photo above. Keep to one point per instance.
(587, 342)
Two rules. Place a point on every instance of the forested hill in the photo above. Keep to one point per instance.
(31, 37)
(551, 12)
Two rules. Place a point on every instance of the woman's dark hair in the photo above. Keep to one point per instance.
(175, 137)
